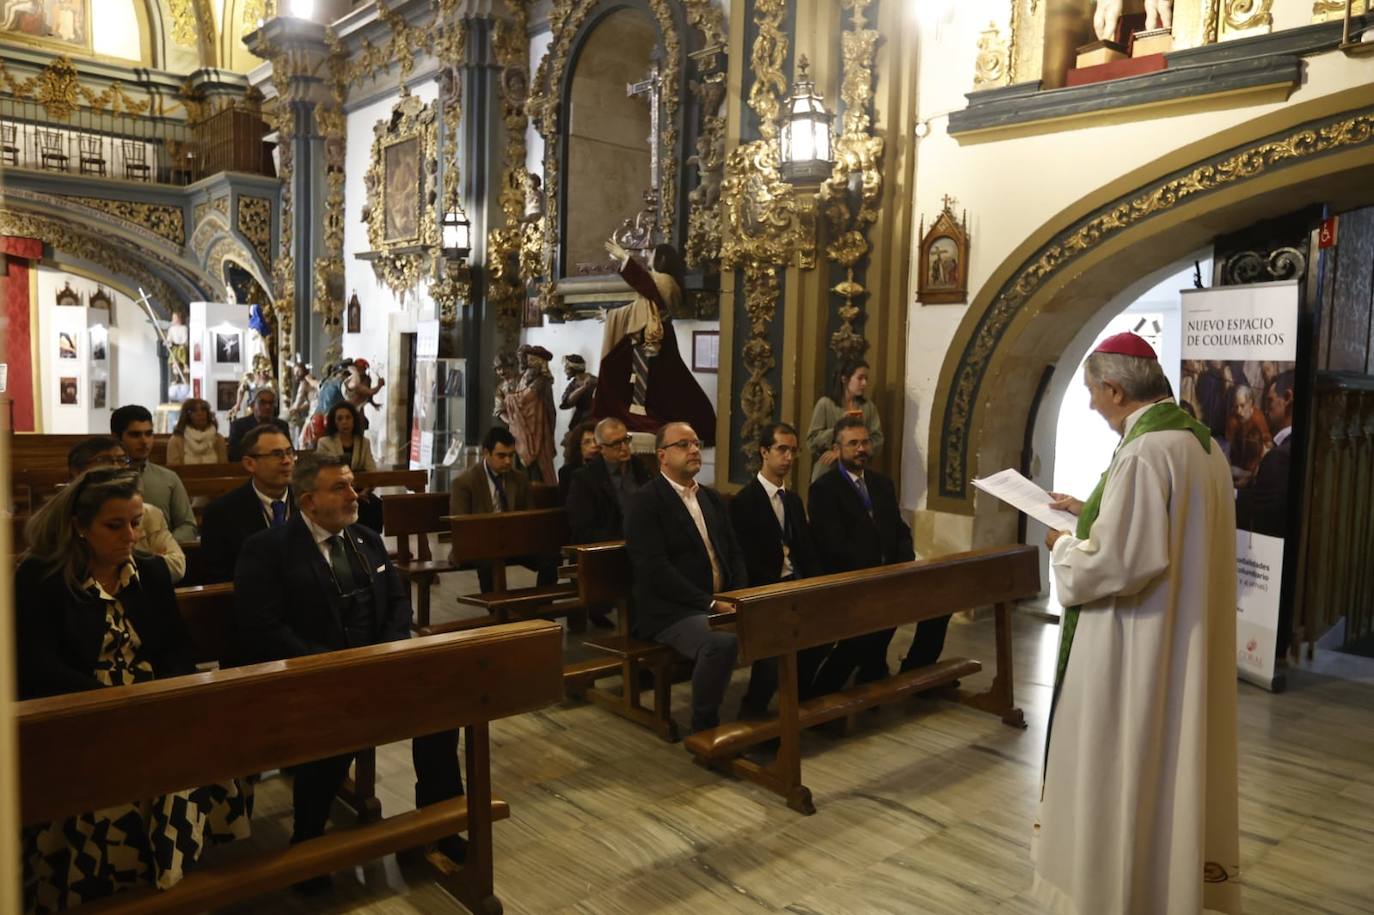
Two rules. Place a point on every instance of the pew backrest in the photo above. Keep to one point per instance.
(604, 575)
(416, 514)
(48, 451)
(509, 535)
(414, 481)
(208, 611)
(250, 719)
(774, 619)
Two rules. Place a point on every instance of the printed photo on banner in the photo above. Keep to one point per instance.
(1239, 362)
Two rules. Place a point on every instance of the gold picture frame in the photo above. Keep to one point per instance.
(942, 270)
(62, 25)
(402, 223)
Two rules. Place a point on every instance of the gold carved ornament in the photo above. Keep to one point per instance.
(767, 224)
(704, 215)
(514, 248)
(857, 151)
(58, 90)
(452, 283)
(1247, 14)
(1233, 168)
(166, 222)
(61, 236)
(399, 263)
(992, 66)
(280, 312)
(255, 224)
(1329, 10)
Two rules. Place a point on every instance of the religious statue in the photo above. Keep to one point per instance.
(349, 380)
(530, 410)
(359, 390)
(307, 389)
(534, 198)
(1159, 14)
(178, 358)
(644, 381)
(506, 378)
(581, 389)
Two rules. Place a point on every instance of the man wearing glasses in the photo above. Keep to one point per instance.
(599, 491)
(322, 582)
(683, 551)
(153, 536)
(264, 501)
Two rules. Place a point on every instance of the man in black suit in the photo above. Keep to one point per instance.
(1262, 507)
(264, 414)
(770, 525)
(264, 501)
(322, 582)
(599, 490)
(682, 551)
(857, 525)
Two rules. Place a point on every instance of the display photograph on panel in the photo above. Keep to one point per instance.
(66, 388)
(97, 347)
(227, 348)
(98, 395)
(226, 395)
(66, 345)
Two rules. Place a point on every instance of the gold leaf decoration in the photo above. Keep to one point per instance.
(166, 222)
(255, 224)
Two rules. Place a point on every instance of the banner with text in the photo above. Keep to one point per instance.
(1239, 354)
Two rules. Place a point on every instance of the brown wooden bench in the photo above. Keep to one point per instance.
(502, 537)
(48, 451)
(208, 611)
(412, 480)
(284, 713)
(417, 515)
(777, 621)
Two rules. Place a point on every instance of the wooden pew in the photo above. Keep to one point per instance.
(777, 621)
(503, 537)
(251, 719)
(208, 611)
(407, 515)
(412, 480)
(47, 451)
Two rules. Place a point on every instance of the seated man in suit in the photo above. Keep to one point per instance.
(153, 536)
(597, 496)
(494, 485)
(770, 525)
(264, 501)
(133, 426)
(322, 582)
(682, 551)
(857, 525)
(264, 414)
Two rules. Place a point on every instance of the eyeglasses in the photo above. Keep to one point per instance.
(618, 443)
(277, 454)
(686, 444)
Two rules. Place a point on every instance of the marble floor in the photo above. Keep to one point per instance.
(924, 808)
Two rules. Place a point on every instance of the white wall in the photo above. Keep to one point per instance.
(989, 180)
(383, 312)
(114, 29)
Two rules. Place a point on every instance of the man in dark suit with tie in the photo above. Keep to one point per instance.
(600, 490)
(322, 582)
(1262, 507)
(264, 413)
(770, 525)
(264, 501)
(682, 552)
(857, 525)
(494, 485)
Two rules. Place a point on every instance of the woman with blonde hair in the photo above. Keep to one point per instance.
(196, 438)
(94, 613)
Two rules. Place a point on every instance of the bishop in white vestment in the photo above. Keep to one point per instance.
(1139, 803)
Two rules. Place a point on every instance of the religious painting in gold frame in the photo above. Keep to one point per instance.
(402, 225)
(942, 264)
(60, 24)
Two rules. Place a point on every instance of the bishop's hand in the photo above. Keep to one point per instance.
(1065, 503)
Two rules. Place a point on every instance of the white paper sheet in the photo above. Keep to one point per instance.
(1020, 493)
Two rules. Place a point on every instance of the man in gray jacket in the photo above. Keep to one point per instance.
(133, 426)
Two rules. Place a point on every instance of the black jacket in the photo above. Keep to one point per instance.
(1262, 507)
(60, 633)
(672, 571)
(593, 510)
(287, 603)
(761, 539)
(226, 523)
(245, 424)
(846, 537)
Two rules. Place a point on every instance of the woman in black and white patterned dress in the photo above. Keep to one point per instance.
(93, 614)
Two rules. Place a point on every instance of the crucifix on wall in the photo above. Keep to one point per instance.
(651, 86)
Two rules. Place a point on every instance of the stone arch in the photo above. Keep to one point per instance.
(1061, 276)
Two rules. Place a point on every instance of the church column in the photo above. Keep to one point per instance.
(298, 53)
(17, 310)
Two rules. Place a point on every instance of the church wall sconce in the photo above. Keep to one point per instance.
(805, 140)
(454, 283)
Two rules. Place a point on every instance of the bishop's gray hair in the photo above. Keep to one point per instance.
(1141, 380)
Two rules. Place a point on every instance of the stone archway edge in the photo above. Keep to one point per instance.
(1224, 170)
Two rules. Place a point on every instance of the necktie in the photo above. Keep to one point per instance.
(863, 494)
(338, 561)
(278, 513)
(500, 493)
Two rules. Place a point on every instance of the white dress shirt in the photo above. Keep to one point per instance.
(321, 536)
(775, 496)
(689, 499)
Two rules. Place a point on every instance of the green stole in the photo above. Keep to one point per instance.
(1165, 416)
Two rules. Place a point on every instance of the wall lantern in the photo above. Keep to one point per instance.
(805, 140)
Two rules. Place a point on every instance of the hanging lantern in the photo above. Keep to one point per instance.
(456, 235)
(805, 155)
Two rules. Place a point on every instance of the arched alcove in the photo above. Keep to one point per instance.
(1063, 275)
